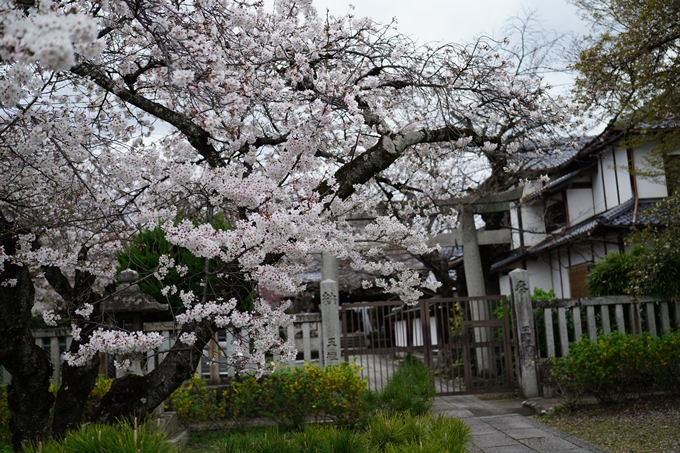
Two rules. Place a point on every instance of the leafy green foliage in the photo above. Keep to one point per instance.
(195, 403)
(143, 253)
(410, 388)
(612, 275)
(4, 414)
(651, 268)
(626, 69)
(101, 386)
(292, 396)
(619, 366)
(657, 266)
(92, 438)
(541, 294)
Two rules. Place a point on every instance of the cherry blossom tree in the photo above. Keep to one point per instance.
(121, 114)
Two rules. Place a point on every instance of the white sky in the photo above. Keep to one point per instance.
(457, 20)
(460, 21)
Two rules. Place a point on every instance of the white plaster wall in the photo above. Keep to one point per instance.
(532, 224)
(514, 235)
(539, 274)
(599, 203)
(580, 205)
(599, 250)
(612, 243)
(564, 273)
(609, 180)
(580, 254)
(648, 187)
(625, 189)
(556, 274)
(504, 283)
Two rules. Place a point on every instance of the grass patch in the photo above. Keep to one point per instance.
(410, 389)
(404, 433)
(91, 438)
(650, 424)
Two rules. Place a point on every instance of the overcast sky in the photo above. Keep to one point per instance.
(457, 20)
(460, 21)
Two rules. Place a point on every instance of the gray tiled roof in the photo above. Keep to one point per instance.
(549, 157)
(618, 216)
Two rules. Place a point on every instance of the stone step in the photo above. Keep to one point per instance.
(179, 439)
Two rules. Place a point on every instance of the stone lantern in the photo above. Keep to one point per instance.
(129, 308)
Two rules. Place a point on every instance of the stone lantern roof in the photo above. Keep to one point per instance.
(130, 299)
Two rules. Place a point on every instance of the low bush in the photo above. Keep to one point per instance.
(101, 386)
(195, 403)
(292, 396)
(618, 367)
(91, 438)
(410, 388)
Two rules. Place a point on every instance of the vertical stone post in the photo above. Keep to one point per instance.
(525, 332)
(472, 260)
(54, 357)
(330, 323)
(214, 361)
(329, 267)
(474, 279)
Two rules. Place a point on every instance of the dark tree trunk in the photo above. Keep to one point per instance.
(28, 397)
(137, 396)
(76, 385)
(76, 382)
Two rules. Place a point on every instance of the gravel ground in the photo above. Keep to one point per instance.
(647, 425)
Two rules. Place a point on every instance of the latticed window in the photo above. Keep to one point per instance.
(577, 280)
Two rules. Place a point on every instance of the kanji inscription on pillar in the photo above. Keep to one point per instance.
(330, 322)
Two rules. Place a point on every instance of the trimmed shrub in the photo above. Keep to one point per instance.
(101, 386)
(195, 403)
(612, 276)
(292, 396)
(618, 367)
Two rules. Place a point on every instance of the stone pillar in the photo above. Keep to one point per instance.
(329, 267)
(330, 323)
(214, 361)
(474, 279)
(54, 357)
(472, 260)
(525, 331)
(6, 377)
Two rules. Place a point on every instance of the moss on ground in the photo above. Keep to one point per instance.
(648, 425)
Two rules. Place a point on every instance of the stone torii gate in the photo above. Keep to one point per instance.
(468, 236)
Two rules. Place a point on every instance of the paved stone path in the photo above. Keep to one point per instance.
(497, 430)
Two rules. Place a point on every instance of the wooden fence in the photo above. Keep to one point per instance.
(565, 320)
(305, 330)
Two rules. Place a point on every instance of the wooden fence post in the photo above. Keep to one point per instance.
(525, 333)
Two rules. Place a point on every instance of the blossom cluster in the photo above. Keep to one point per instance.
(114, 342)
(282, 122)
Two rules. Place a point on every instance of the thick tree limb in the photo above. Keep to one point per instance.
(196, 135)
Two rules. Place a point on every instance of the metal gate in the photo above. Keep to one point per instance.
(466, 342)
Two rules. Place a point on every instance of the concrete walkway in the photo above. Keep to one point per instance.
(502, 427)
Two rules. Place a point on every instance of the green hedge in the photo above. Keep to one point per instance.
(619, 366)
(288, 396)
